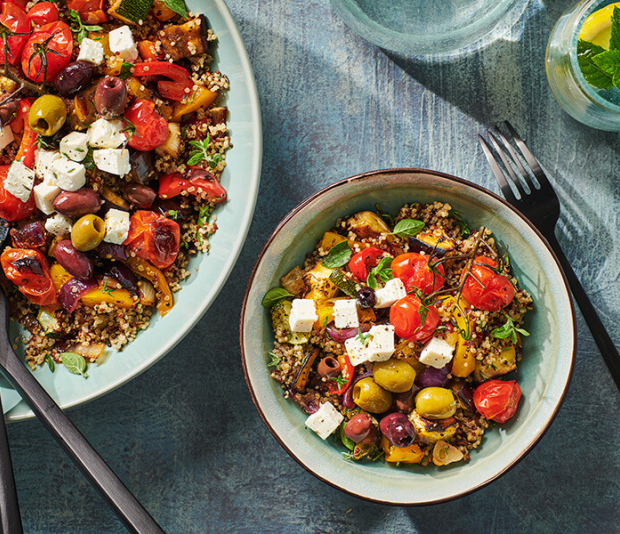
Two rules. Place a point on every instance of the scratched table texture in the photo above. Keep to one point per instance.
(185, 436)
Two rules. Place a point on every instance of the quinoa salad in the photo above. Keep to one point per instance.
(395, 334)
(113, 139)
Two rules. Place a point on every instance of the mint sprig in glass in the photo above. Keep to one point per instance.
(601, 67)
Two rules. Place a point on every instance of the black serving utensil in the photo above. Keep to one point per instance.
(93, 467)
(10, 519)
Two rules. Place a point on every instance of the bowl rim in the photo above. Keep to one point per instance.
(460, 181)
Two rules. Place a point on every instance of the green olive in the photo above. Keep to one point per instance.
(394, 375)
(369, 396)
(47, 115)
(87, 232)
(435, 403)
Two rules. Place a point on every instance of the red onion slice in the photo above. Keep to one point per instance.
(341, 336)
(71, 292)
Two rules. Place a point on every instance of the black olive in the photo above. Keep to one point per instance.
(366, 298)
(74, 78)
(8, 111)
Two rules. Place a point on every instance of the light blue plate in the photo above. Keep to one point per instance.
(241, 180)
(543, 375)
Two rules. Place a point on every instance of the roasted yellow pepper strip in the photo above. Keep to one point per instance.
(407, 455)
(119, 297)
(60, 275)
(156, 277)
(200, 98)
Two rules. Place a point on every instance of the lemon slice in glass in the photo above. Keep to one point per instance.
(597, 27)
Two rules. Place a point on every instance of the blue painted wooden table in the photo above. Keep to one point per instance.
(185, 436)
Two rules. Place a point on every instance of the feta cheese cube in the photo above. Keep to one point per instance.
(106, 134)
(68, 175)
(392, 291)
(303, 315)
(58, 225)
(91, 51)
(436, 353)
(356, 349)
(381, 345)
(122, 43)
(6, 137)
(43, 160)
(113, 160)
(325, 420)
(116, 226)
(345, 314)
(19, 181)
(44, 196)
(74, 146)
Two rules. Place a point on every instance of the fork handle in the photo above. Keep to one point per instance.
(599, 333)
(10, 518)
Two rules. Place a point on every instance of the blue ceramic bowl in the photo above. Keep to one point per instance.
(544, 372)
(241, 179)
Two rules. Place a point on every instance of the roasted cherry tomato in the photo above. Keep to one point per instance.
(412, 320)
(485, 289)
(497, 400)
(47, 52)
(414, 271)
(362, 262)
(151, 127)
(43, 13)
(198, 181)
(91, 11)
(179, 84)
(19, 3)
(12, 208)
(29, 271)
(14, 18)
(154, 237)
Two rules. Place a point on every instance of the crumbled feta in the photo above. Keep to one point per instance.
(19, 181)
(68, 175)
(43, 160)
(116, 226)
(91, 51)
(112, 160)
(6, 137)
(74, 146)
(303, 315)
(58, 225)
(122, 43)
(436, 353)
(325, 420)
(381, 345)
(345, 314)
(44, 196)
(392, 291)
(106, 134)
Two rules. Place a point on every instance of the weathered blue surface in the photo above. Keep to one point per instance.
(185, 437)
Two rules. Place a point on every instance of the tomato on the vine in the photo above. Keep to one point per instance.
(12, 208)
(151, 129)
(365, 260)
(497, 400)
(415, 272)
(413, 320)
(485, 289)
(154, 238)
(43, 13)
(29, 271)
(47, 52)
(90, 11)
(14, 18)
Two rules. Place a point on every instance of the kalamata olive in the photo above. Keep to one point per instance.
(141, 196)
(142, 166)
(328, 367)
(431, 377)
(111, 97)
(76, 262)
(405, 402)
(87, 232)
(397, 428)
(358, 427)
(74, 78)
(366, 298)
(29, 235)
(78, 203)
(8, 110)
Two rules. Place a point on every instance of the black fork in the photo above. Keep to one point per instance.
(542, 207)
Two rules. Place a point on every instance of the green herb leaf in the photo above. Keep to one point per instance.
(340, 380)
(74, 363)
(509, 330)
(593, 74)
(461, 222)
(338, 256)
(381, 271)
(107, 290)
(408, 228)
(361, 336)
(81, 31)
(275, 360)
(178, 6)
(614, 40)
(125, 70)
(50, 362)
(200, 153)
(173, 214)
(130, 129)
(275, 295)
(203, 215)
(348, 443)
(608, 62)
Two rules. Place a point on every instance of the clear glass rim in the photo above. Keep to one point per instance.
(581, 14)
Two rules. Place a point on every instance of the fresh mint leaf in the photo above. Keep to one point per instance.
(178, 6)
(594, 75)
(614, 40)
(509, 330)
(200, 153)
(608, 62)
(275, 295)
(408, 228)
(74, 363)
(125, 70)
(338, 255)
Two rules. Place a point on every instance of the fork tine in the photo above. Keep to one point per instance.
(497, 171)
(515, 158)
(502, 155)
(529, 157)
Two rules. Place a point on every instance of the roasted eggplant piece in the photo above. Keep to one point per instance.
(293, 281)
(431, 242)
(301, 380)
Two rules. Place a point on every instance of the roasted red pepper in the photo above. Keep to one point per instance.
(202, 182)
(179, 85)
(12, 208)
(29, 271)
(28, 145)
(339, 387)
(154, 238)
